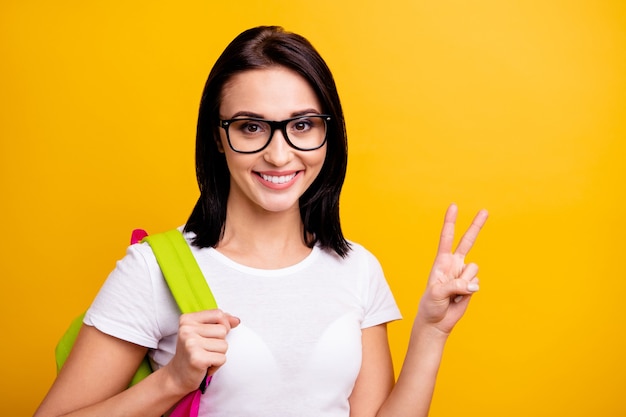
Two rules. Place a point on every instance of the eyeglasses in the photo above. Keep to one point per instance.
(251, 134)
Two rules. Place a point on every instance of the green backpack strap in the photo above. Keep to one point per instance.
(184, 278)
(181, 271)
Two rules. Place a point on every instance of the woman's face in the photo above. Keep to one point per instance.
(275, 178)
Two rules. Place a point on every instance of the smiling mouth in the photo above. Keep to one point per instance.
(278, 179)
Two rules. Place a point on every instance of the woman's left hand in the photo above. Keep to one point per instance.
(451, 282)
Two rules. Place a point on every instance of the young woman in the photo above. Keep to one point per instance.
(303, 312)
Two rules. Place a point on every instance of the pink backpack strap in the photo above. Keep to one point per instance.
(190, 404)
(137, 236)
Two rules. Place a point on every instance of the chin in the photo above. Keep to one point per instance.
(280, 207)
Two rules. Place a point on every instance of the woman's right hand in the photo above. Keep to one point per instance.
(201, 347)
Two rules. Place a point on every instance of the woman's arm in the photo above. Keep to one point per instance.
(94, 378)
(450, 286)
(99, 368)
(414, 390)
(376, 377)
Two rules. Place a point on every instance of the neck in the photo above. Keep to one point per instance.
(263, 239)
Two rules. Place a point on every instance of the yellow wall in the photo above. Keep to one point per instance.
(518, 106)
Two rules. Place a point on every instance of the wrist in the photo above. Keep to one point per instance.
(427, 330)
(172, 385)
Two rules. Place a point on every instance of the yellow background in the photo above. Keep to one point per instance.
(516, 106)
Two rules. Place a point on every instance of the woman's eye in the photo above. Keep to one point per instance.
(302, 125)
(250, 128)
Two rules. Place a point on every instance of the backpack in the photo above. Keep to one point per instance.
(184, 279)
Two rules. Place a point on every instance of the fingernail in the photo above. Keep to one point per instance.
(472, 286)
(458, 298)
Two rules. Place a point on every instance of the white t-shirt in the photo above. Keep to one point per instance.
(297, 351)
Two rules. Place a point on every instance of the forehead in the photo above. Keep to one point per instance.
(275, 92)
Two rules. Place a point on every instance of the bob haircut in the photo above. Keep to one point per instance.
(259, 48)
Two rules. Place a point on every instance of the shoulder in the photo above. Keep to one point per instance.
(135, 303)
(138, 262)
(359, 253)
(356, 249)
(143, 253)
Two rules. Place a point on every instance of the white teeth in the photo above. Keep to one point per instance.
(278, 179)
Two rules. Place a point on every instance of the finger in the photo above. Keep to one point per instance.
(214, 356)
(447, 231)
(207, 324)
(215, 316)
(456, 287)
(469, 272)
(197, 343)
(233, 320)
(204, 355)
(214, 346)
(468, 239)
(227, 320)
(471, 288)
(195, 334)
(462, 298)
(216, 330)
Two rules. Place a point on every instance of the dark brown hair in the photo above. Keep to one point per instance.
(257, 48)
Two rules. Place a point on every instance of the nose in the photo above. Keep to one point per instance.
(278, 152)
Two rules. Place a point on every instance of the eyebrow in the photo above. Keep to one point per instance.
(245, 113)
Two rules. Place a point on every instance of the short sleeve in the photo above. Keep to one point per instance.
(126, 305)
(380, 305)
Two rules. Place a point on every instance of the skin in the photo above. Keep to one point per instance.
(262, 220)
(451, 284)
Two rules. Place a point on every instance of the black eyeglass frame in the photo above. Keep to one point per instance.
(275, 125)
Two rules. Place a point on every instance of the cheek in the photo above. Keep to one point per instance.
(321, 159)
(317, 163)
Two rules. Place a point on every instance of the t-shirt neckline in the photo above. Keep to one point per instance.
(225, 260)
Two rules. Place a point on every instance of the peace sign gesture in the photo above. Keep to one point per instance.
(451, 282)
